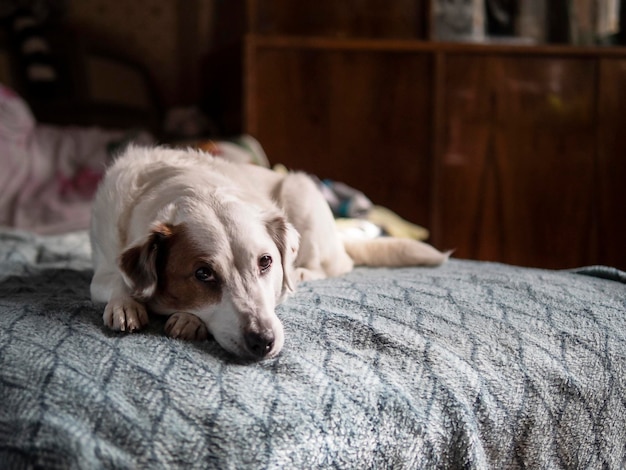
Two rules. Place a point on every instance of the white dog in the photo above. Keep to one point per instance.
(217, 245)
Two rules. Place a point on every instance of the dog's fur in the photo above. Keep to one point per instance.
(217, 245)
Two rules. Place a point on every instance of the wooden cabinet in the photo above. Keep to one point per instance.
(516, 168)
(511, 154)
(506, 153)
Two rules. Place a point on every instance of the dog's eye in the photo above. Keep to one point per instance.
(265, 262)
(205, 275)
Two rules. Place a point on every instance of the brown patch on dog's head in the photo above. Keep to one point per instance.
(170, 271)
(187, 277)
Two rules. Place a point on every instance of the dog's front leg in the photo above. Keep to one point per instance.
(182, 325)
(122, 312)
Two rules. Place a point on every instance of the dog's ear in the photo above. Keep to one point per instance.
(139, 263)
(287, 240)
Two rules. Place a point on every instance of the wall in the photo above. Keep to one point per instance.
(169, 36)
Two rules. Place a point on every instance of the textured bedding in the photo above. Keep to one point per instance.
(470, 365)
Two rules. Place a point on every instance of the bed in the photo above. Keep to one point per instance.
(468, 365)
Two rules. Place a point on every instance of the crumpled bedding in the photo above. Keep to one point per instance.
(471, 365)
(49, 174)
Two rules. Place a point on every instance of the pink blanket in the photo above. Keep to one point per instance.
(48, 174)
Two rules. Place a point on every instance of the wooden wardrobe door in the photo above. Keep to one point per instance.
(465, 219)
(357, 116)
(517, 164)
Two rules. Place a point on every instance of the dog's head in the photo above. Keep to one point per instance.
(230, 267)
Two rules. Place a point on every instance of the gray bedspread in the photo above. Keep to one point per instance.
(471, 365)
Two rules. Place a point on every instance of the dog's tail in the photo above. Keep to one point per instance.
(394, 252)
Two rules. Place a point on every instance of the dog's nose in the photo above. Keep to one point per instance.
(259, 344)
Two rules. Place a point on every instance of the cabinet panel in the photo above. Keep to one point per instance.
(347, 18)
(517, 161)
(361, 117)
(612, 163)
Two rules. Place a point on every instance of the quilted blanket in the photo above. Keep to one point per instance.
(470, 365)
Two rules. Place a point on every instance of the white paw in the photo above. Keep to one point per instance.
(304, 274)
(125, 314)
(184, 325)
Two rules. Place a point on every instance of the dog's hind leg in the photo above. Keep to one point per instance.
(394, 252)
(321, 253)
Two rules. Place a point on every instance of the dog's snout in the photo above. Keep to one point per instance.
(259, 344)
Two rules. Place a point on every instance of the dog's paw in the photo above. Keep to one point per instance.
(304, 274)
(125, 315)
(182, 325)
